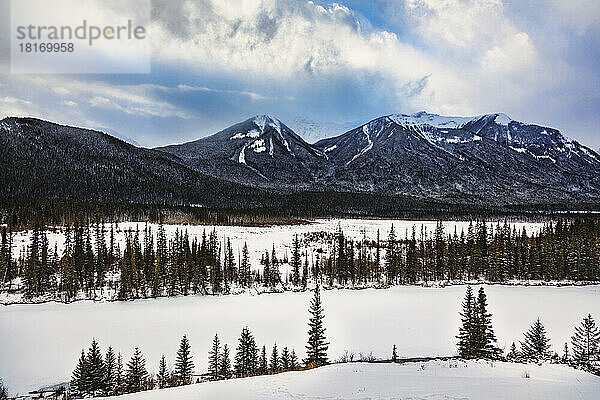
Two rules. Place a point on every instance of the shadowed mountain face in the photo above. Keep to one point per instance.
(489, 159)
(260, 151)
(486, 161)
(45, 160)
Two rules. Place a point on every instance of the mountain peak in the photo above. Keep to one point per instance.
(425, 118)
(264, 120)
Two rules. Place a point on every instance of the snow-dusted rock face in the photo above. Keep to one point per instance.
(484, 160)
(259, 151)
(487, 159)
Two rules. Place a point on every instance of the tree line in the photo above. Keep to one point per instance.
(150, 264)
(97, 375)
(564, 250)
(476, 339)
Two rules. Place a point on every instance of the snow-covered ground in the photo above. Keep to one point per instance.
(435, 380)
(40, 343)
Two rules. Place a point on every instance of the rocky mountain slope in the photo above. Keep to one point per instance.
(259, 151)
(46, 160)
(488, 159)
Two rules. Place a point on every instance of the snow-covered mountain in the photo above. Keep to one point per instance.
(488, 158)
(41, 159)
(484, 160)
(261, 151)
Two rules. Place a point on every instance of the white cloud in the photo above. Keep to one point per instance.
(517, 54)
(251, 95)
(14, 100)
(471, 46)
(138, 100)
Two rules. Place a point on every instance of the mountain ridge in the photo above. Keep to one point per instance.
(486, 160)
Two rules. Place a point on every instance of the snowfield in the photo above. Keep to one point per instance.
(435, 380)
(40, 343)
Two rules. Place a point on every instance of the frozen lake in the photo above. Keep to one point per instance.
(40, 344)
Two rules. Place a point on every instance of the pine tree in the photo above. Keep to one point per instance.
(391, 257)
(110, 369)
(316, 348)
(394, 355)
(119, 378)
(3, 391)
(213, 359)
(586, 342)
(296, 261)
(263, 367)
(163, 374)
(184, 365)
(293, 360)
(285, 359)
(246, 357)
(305, 272)
(136, 376)
(485, 339)
(565, 357)
(536, 346)
(274, 366)
(225, 370)
(96, 384)
(79, 386)
(245, 267)
(377, 266)
(266, 262)
(275, 275)
(513, 354)
(465, 333)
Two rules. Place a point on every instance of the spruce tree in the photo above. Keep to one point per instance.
(293, 360)
(225, 370)
(316, 348)
(214, 359)
(485, 339)
(184, 365)
(96, 375)
(394, 355)
(536, 346)
(296, 261)
(565, 357)
(586, 342)
(246, 357)
(79, 378)
(163, 374)
(110, 369)
(285, 359)
(263, 367)
(466, 331)
(274, 365)
(245, 279)
(136, 376)
(119, 378)
(513, 354)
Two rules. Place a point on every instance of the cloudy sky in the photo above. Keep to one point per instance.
(324, 66)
